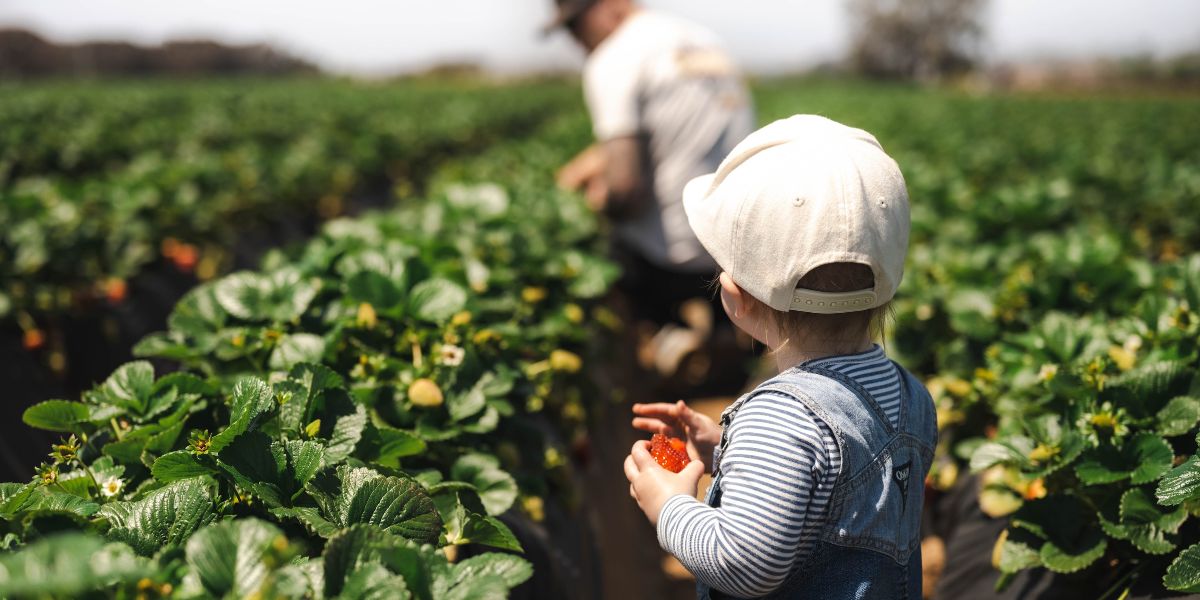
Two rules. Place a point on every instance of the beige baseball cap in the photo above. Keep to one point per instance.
(797, 194)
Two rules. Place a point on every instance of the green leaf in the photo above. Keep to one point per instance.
(1184, 573)
(1179, 416)
(257, 466)
(184, 384)
(999, 501)
(282, 296)
(129, 387)
(1146, 524)
(232, 558)
(1076, 557)
(374, 289)
(178, 465)
(56, 415)
(993, 453)
(252, 400)
(295, 348)
(1180, 484)
(412, 562)
(973, 312)
(1154, 456)
(513, 570)
(485, 423)
(14, 497)
(346, 552)
(594, 279)
(1141, 459)
(198, 315)
(1018, 554)
(362, 547)
(242, 295)
(1073, 538)
(1154, 382)
(347, 432)
(359, 495)
(290, 294)
(497, 489)
(161, 442)
(68, 565)
(306, 387)
(127, 451)
(1138, 508)
(310, 517)
(304, 458)
(465, 404)
(397, 506)
(488, 531)
(373, 582)
(41, 502)
(300, 578)
(388, 445)
(436, 300)
(165, 517)
(484, 587)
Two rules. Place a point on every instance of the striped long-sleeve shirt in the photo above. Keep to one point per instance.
(778, 470)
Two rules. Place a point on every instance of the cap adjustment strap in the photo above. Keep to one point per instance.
(830, 303)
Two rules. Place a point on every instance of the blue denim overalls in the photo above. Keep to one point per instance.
(869, 547)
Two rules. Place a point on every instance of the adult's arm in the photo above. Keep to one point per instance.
(628, 177)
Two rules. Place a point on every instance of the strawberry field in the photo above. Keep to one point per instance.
(369, 330)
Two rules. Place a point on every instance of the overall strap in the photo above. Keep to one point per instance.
(858, 390)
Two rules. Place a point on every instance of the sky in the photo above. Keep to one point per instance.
(379, 37)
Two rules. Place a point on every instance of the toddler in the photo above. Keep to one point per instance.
(818, 473)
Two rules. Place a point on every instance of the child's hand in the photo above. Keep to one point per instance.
(651, 485)
(702, 433)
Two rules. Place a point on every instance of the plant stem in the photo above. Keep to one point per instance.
(1116, 586)
(116, 429)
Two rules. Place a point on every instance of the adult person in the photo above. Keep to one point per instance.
(667, 104)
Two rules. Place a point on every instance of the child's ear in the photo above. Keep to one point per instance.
(733, 296)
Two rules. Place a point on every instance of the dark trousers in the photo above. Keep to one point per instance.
(653, 295)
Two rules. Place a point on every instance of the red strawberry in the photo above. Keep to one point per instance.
(185, 258)
(34, 339)
(115, 289)
(671, 453)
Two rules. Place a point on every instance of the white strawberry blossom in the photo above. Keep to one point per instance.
(111, 486)
(452, 355)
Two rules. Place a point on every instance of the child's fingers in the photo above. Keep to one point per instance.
(641, 456)
(687, 415)
(653, 426)
(631, 469)
(694, 470)
(657, 409)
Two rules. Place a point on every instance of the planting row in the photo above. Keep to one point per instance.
(100, 181)
(1051, 304)
(345, 415)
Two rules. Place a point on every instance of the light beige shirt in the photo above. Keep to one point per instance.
(672, 81)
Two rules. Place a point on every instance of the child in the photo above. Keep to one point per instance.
(818, 474)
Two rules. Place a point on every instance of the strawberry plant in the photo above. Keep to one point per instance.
(1098, 421)
(99, 182)
(1049, 304)
(345, 417)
